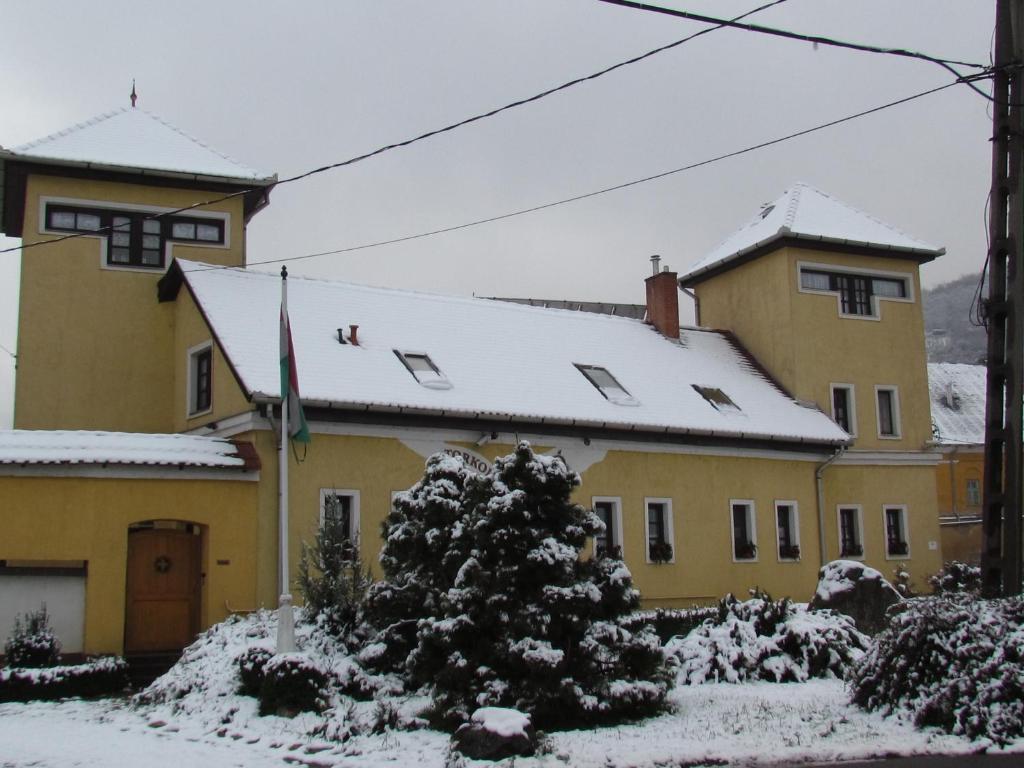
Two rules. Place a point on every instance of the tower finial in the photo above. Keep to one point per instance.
(134, 96)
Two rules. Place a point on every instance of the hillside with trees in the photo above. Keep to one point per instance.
(950, 330)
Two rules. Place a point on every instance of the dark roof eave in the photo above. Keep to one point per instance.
(785, 238)
(383, 414)
(243, 181)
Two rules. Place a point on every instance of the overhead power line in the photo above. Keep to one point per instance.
(817, 39)
(605, 190)
(420, 137)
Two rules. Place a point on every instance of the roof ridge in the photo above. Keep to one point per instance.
(794, 202)
(245, 272)
(67, 131)
(865, 214)
(193, 139)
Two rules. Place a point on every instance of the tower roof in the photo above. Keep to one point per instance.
(133, 140)
(803, 213)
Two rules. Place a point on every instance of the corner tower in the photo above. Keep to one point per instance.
(102, 208)
(828, 299)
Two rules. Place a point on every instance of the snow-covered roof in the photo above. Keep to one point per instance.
(805, 213)
(503, 361)
(131, 139)
(23, 446)
(957, 394)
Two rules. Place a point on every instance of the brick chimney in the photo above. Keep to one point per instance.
(663, 300)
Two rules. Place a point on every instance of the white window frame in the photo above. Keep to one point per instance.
(104, 238)
(353, 522)
(906, 277)
(972, 500)
(433, 379)
(860, 530)
(851, 394)
(794, 528)
(616, 532)
(751, 530)
(670, 537)
(190, 384)
(897, 419)
(905, 528)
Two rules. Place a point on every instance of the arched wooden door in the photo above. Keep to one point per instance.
(163, 589)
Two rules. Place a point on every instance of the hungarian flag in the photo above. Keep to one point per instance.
(297, 427)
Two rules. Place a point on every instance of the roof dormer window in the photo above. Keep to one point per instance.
(718, 399)
(423, 369)
(607, 384)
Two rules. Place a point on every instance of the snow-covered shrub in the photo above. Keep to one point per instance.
(100, 677)
(251, 663)
(425, 544)
(902, 581)
(670, 622)
(32, 643)
(955, 662)
(292, 682)
(508, 614)
(956, 576)
(765, 639)
(332, 578)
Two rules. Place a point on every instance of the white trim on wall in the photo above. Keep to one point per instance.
(669, 526)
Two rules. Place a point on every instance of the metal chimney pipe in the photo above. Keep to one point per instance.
(655, 264)
(352, 337)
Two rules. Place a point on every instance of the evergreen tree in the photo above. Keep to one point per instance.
(524, 622)
(332, 578)
(425, 544)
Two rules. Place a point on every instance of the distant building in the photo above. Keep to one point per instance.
(139, 488)
(958, 417)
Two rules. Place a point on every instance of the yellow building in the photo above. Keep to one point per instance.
(790, 429)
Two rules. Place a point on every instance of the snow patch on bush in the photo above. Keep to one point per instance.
(763, 639)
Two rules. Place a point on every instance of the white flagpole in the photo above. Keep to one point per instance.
(285, 614)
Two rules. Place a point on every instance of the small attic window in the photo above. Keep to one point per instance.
(423, 369)
(717, 398)
(607, 384)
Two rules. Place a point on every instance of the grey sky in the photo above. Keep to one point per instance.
(288, 87)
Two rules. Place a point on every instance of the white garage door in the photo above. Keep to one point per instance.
(63, 592)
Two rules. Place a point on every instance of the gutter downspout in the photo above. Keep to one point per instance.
(696, 304)
(952, 482)
(820, 483)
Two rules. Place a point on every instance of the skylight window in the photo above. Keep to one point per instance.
(607, 384)
(717, 398)
(423, 369)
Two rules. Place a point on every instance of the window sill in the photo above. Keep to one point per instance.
(199, 414)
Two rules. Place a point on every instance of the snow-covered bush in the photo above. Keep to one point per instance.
(956, 576)
(292, 682)
(670, 622)
(507, 613)
(251, 663)
(765, 639)
(955, 662)
(425, 544)
(100, 677)
(332, 578)
(32, 643)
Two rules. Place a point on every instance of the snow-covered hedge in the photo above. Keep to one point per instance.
(765, 639)
(956, 576)
(101, 677)
(669, 622)
(950, 661)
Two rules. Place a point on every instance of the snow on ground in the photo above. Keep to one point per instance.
(754, 722)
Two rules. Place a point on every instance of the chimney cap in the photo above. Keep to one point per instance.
(656, 264)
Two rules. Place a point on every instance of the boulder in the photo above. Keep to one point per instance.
(494, 733)
(856, 590)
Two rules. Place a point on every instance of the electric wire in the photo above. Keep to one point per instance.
(407, 142)
(5, 349)
(947, 64)
(603, 191)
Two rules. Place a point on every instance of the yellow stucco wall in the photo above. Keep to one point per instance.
(94, 345)
(802, 340)
(191, 330)
(87, 518)
(951, 476)
(700, 487)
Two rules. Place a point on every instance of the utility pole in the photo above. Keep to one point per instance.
(1001, 539)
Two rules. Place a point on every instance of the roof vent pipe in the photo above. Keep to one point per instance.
(341, 335)
(352, 337)
(655, 264)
